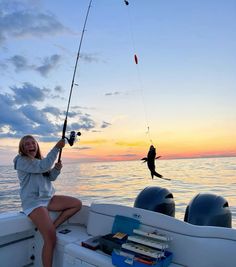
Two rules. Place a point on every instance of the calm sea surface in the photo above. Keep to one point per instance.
(121, 182)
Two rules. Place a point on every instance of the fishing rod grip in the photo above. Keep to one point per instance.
(59, 156)
(63, 137)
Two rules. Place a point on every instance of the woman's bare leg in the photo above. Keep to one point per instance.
(43, 222)
(67, 205)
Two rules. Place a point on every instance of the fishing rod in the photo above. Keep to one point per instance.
(73, 134)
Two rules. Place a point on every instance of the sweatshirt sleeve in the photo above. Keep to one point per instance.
(53, 174)
(26, 164)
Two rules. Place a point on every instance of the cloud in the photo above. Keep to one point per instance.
(105, 124)
(86, 57)
(89, 57)
(20, 63)
(83, 148)
(28, 94)
(131, 156)
(112, 93)
(73, 114)
(3, 66)
(52, 110)
(35, 115)
(48, 64)
(11, 120)
(130, 143)
(16, 121)
(18, 20)
(58, 89)
(20, 115)
(85, 122)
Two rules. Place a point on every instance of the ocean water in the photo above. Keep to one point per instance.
(121, 182)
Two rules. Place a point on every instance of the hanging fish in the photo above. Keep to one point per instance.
(136, 59)
(150, 159)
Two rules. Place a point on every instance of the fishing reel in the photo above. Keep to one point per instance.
(72, 137)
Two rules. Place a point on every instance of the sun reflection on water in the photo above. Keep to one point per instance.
(121, 182)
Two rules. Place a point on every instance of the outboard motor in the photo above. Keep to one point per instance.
(157, 199)
(208, 209)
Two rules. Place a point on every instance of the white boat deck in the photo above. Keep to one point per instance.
(192, 246)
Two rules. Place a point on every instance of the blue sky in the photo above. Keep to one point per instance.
(183, 88)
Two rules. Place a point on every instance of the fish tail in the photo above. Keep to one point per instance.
(157, 174)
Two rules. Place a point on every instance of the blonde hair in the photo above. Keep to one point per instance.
(21, 149)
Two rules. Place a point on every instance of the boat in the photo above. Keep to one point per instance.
(190, 245)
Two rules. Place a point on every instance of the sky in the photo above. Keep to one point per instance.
(180, 97)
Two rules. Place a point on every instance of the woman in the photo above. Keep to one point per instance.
(37, 193)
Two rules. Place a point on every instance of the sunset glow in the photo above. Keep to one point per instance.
(180, 97)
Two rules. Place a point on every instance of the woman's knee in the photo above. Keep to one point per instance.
(75, 203)
(78, 204)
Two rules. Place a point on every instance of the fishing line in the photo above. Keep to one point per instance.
(151, 157)
(73, 83)
(140, 82)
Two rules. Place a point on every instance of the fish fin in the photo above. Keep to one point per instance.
(144, 159)
(158, 157)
